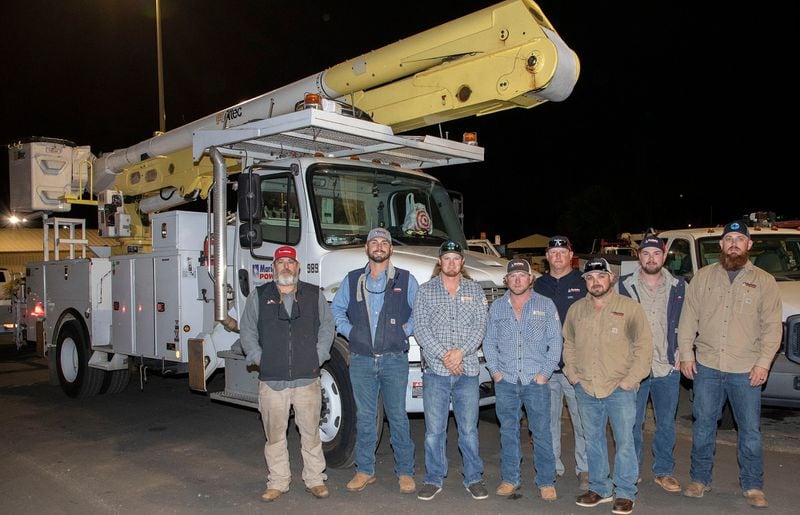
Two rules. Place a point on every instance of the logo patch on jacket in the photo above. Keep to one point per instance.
(618, 314)
(270, 301)
(750, 285)
(397, 290)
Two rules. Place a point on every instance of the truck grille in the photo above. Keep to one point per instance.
(493, 293)
(791, 335)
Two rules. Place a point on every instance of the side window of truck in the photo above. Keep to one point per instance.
(281, 221)
(679, 259)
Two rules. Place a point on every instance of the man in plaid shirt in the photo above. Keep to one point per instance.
(449, 324)
(522, 349)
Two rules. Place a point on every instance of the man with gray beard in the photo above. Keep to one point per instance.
(729, 332)
(287, 329)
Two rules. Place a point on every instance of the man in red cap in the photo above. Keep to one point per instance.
(287, 329)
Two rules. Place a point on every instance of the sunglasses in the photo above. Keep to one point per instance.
(451, 246)
(558, 242)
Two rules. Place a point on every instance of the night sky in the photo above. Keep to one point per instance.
(675, 102)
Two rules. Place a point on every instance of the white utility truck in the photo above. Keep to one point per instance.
(319, 164)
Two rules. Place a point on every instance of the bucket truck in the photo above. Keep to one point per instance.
(320, 162)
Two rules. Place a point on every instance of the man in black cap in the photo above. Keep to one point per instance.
(729, 332)
(608, 349)
(522, 348)
(661, 295)
(564, 285)
(449, 324)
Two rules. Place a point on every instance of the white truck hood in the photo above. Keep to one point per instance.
(790, 295)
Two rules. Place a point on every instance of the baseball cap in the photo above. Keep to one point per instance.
(737, 226)
(518, 265)
(651, 240)
(451, 246)
(285, 252)
(596, 265)
(379, 232)
(559, 241)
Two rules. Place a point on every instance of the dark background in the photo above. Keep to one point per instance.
(680, 115)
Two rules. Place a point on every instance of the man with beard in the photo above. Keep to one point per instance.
(608, 349)
(564, 284)
(522, 349)
(661, 295)
(372, 310)
(449, 324)
(287, 330)
(728, 335)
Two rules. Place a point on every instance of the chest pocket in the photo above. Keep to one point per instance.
(746, 299)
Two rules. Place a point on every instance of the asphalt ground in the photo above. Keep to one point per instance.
(164, 449)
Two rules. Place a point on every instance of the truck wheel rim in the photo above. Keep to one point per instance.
(69, 360)
(331, 420)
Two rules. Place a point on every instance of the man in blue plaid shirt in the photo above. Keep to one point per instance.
(449, 324)
(522, 349)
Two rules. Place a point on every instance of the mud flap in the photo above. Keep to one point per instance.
(197, 368)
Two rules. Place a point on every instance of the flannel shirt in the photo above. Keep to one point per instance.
(442, 322)
(520, 349)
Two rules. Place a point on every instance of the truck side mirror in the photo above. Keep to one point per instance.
(791, 338)
(251, 205)
(250, 235)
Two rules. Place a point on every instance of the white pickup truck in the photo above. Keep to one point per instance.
(775, 250)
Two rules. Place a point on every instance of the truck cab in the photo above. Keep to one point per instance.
(775, 250)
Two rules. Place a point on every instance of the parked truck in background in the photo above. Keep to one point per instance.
(775, 250)
(319, 164)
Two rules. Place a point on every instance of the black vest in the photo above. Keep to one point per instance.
(389, 334)
(288, 341)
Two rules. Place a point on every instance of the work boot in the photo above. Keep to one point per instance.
(668, 483)
(270, 494)
(622, 506)
(319, 491)
(591, 499)
(755, 498)
(360, 482)
(407, 484)
(548, 493)
(696, 490)
(505, 489)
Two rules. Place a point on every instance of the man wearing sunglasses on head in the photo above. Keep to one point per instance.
(564, 284)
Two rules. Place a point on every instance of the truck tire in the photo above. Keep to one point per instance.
(337, 424)
(77, 378)
(115, 381)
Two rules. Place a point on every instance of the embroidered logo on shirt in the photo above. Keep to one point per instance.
(617, 314)
(465, 298)
(614, 330)
(538, 313)
(574, 290)
(270, 301)
(397, 290)
(750, 285)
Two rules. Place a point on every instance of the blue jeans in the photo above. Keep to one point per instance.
(620, 409)
(536, 399)
(385, 375)
(664, 392)
(437, 393)
(559, 390)
(711, 388)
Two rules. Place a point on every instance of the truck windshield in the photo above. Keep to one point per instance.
(778, 254)
(348, 201)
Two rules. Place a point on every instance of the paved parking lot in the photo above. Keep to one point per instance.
(168, 450)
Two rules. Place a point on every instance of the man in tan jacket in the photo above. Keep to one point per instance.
(729, 332)
(608, 349)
